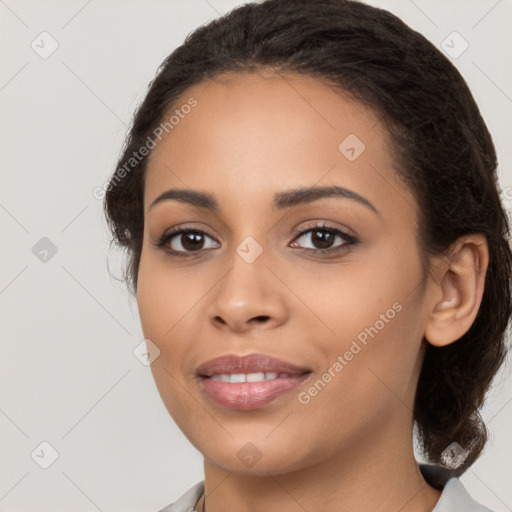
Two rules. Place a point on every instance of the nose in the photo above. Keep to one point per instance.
(248, 297)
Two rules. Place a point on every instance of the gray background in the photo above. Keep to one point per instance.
(68, 373)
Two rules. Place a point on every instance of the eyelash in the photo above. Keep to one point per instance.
(348, 239)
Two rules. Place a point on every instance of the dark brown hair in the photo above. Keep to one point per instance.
(440, 142)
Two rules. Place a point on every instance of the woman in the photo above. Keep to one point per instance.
(308, 197)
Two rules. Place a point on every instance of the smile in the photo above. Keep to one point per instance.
(237, 390)
(248, 377)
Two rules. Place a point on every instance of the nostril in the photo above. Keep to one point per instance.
(261, 318)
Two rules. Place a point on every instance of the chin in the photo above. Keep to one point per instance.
(247, 458)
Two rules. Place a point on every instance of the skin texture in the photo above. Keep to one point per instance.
(350, 447)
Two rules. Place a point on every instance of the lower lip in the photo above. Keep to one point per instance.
(249, 395)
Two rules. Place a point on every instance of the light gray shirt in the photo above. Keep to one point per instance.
(454, 496)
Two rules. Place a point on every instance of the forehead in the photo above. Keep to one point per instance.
(254, 134)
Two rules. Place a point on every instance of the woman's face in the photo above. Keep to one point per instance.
(347, 310)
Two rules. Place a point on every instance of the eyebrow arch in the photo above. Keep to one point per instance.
(291, 198)
(285, 199)
(193, 197)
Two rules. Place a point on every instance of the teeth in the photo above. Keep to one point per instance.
(223, 377)
(234, 378)
(253, 377)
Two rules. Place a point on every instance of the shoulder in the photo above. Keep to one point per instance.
(187, 501)
(454, 497)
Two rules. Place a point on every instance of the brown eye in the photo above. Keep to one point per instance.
(186, 240)
(191, 241)
(324, 239)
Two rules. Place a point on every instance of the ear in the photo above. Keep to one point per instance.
(456, 290)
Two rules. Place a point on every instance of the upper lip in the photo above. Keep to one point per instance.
(249, 363)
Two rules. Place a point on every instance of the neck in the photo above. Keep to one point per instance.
(372, 473)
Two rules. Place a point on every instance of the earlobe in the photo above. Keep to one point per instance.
(455, 298)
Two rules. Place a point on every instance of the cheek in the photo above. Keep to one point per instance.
(166, 298)
(367, 377)
(166, 302)
(370, 317)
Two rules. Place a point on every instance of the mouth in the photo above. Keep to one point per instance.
(235, 378)
(250, 381)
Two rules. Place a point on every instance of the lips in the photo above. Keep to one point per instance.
(235, 382)
(250, 363)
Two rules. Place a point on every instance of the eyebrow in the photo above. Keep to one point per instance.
(285, 199)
